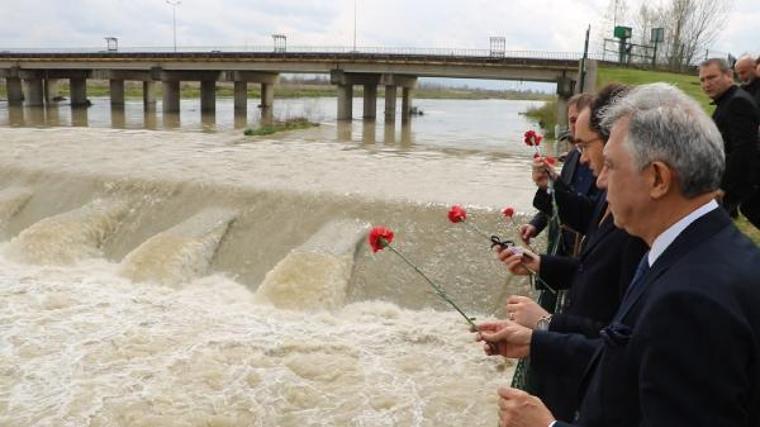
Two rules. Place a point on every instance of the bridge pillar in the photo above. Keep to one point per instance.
(565, 89)
(392, 82)
(241, 98)
(345, 101)
(267, 95)
(370, 101)
(208, 96)
(390, 103)
(171, 96)
(116, 90)
(33, 92)
(562, 113)
(406, 104)
(78, 91)
(149, 95)
(15, 93)
(50, 90)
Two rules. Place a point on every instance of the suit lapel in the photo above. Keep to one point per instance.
(596, 231)
(700, 230)
(571, 162)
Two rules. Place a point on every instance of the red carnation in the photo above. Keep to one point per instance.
(531, 138)
(379, 238)
(457, 214)
(536, 156)
(551, 161)
(508, 212)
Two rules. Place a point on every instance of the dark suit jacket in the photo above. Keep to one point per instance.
(578, 178)
(600, 276)
(684, 349)
(575, 209)
(753, 88)
(737, 118)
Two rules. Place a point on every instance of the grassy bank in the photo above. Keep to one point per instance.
(687, 83)
(546, 116)
(290, 89)
(280, 126)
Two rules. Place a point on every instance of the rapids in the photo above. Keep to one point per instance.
(177, 278)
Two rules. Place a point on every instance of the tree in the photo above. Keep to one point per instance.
(691, 26)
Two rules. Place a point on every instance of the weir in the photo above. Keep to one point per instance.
(142, 275)
(166, 231)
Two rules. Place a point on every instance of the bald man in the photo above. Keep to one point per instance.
(746, 71)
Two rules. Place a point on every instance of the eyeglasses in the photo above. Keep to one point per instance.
(583, 144)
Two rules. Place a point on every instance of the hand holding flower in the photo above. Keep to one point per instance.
(519, 261)
(524, 311)
(527, 232)
(506, 338)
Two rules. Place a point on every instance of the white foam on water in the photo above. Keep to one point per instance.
(316, 274)
(181, 253)
(80, 345)
(71, 236)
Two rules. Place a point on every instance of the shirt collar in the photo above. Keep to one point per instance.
(668, 236)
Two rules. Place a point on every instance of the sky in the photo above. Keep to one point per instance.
(540, 25)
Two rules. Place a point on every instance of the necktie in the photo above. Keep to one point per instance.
(637, 282)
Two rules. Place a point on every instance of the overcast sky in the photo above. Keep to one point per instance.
(549, 25)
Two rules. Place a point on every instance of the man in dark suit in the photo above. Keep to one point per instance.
(684, 346)
(577, 177)
(738, 119)
(746, 72)
(597, 278)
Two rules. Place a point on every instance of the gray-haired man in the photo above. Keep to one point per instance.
(683, 347)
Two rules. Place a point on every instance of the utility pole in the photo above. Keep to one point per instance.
(354, 25)
(174, 4)
(583, 60)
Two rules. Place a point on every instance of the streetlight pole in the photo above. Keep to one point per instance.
(174, 4)
(354, 25)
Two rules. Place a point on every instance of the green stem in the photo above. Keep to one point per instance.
(476, 229)
(438, 290)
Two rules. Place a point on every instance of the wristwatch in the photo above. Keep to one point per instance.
(543, 323)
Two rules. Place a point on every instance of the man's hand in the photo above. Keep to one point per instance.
(519, 261)
(519, 409)
(527, 232)
(524, 311)
(539, 174)
(506, 338)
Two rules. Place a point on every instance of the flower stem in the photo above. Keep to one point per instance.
(476, 229)
(438, 290)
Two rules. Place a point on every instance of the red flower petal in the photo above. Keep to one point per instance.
(536, 156)
(379, 238)
(528, 137)
(537, 140)
(508, 212)
(551, 161)
(457, 214)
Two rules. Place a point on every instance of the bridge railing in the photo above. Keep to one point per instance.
(409, 51)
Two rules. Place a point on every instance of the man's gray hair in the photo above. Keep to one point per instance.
(722, 64)
(667, 125)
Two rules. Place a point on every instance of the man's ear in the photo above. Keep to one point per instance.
(662, 179)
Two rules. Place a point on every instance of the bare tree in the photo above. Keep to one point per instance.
(691, 26)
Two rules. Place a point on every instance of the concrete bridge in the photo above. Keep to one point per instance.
(31, 78)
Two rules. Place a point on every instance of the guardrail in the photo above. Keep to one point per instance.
(407, 51)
